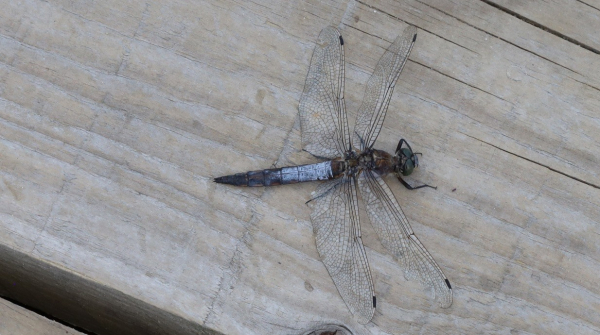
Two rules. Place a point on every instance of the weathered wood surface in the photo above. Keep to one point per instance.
(115, 116)
(15, 319)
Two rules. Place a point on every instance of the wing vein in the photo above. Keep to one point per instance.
(397, 236)
(380, 88)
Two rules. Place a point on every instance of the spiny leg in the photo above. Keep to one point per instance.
(407, 185)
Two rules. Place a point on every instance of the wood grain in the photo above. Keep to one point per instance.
(116, 115)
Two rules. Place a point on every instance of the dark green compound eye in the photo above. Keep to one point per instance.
(408, 167)
(409, 164)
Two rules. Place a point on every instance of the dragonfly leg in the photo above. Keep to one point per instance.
(316, 197)
(407, 185)
(400, 145)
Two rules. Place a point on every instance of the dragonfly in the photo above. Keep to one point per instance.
(350, 166)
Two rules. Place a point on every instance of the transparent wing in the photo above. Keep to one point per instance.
(337, 232)
(380, 88)
(397, 236)
(322, 109)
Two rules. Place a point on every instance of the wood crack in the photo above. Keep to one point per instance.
(420, 28)
(586, 84)
(460, 81)
(587, 4)
(498, 37)
(541, 26)
(532, 161)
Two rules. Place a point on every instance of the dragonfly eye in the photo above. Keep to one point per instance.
(409, 161)
(415, 160)
(408, 167)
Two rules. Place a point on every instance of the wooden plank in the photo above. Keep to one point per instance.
(84, 304)
(15, 319)
(115, 117)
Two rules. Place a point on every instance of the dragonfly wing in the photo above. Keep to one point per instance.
(337, 232)
(397, 236)
(322, 109)
(380, 88)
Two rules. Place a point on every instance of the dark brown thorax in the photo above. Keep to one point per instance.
(372, 159)
(384, 162)
(377, 160)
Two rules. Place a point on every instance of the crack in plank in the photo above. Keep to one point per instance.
(586, 84)
(460, 81)
(541, 26)
(500, 38)
(587, 4)
(421, 28)
(532, 161)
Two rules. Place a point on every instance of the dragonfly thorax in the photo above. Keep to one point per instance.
(376, 160)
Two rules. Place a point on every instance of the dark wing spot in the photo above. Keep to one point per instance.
(374, 302)
(448, 283)
(342, 40)
(415, 37)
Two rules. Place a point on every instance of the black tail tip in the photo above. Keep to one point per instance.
(238, 179)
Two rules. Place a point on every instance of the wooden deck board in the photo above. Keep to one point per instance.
(15, 319)
(115, 116)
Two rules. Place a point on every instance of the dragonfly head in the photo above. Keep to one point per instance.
(407, 160)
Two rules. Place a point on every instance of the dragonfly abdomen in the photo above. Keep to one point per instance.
(283, 176)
